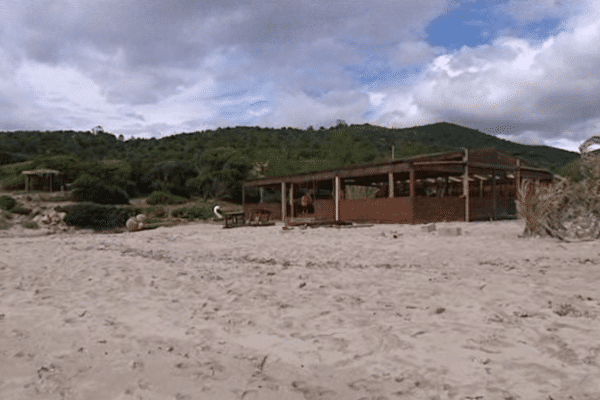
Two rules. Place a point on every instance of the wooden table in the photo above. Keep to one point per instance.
(233, 219)
(259, 217)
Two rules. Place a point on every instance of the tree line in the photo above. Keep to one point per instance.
(214, 163)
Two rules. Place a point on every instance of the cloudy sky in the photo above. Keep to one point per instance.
(524, 70)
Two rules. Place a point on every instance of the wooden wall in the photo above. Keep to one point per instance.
(396, 210)
(273, 208)
(438, 209)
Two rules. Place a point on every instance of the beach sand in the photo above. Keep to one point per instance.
(381, 312)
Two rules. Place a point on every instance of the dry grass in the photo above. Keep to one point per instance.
(566, 210)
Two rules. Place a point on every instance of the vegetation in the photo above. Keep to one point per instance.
(20, 210)
(91, 188)
(158, 212)
(30, 225)
(212, 164)
(96, 217)
(192, 213)
(568, 209)
(7, 202)
(165, 198)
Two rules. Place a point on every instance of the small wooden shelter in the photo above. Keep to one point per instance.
(43, 178)
(461, 185)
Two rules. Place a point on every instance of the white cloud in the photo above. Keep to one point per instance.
(164, 67)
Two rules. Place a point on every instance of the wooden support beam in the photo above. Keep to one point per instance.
(412, 181)
(283, 202)
(517, 179)
(291, 200)
(337, 198)
(481, 188)
(391, 184)
(466, 185)
(495, 200)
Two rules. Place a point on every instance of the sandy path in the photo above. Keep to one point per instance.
(199, 312)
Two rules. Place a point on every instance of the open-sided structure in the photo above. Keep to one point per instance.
(459, 185)
(44, 179)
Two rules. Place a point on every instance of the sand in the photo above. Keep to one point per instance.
(381, 312)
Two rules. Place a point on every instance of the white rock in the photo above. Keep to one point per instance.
(132, 224)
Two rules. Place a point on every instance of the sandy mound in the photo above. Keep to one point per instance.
(382, 312)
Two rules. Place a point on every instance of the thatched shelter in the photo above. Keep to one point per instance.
(41, 179)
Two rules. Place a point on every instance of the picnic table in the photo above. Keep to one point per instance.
(259, 217)
(233, 219)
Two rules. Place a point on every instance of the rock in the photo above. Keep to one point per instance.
(141, 217)
(428, 228)
(132, 224)
(445, 231)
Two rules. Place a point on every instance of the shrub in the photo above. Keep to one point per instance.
(7, 202)
(192, 213)
(164, 198)
(181, 191)
(101, 194)
(156, 212)
(15, 182)
(31, 225)
(96, 217)
(21, 210)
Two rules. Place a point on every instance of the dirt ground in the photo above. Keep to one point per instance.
(381, 312)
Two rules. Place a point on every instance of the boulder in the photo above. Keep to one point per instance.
(446, 231)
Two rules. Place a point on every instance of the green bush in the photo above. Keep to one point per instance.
(156, 212)
(192, 213)
(20, 210)
(30, 225)
(96, 217)
(7, 203)
(15, 182)
(164, 198)
(89, 188)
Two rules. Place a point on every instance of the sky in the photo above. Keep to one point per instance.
(523, 70)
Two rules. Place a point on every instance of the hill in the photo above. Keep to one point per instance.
(214, 162)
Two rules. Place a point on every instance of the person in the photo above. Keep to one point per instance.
(306, 204)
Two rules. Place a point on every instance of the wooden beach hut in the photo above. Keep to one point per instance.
(41, 179)
(461, 185)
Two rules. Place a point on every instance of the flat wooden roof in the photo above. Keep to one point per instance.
(429, 165)
(41, 172)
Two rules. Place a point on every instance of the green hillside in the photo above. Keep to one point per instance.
(215, 162)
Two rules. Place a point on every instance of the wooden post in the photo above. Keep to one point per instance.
(50, 179)
(466, 185)
(337, 198)
(481, 188)
(446, 186)
(517, 179)
(494, 200)
(282, 201)
(261, 192)
(27, 183)
(391, 184)
(291, 200)
(243, 196)
(412, 181)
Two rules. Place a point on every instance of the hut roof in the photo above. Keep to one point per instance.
(451, 161)
(41, 172)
